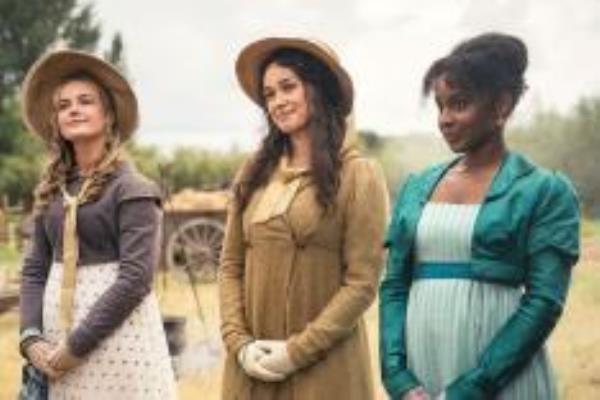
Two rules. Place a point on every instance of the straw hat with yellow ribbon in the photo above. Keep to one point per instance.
(38, 90)
(252, 57)
(50, 71)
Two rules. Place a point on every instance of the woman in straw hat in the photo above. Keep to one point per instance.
(89, 319)
(481, 247)
(303, 243)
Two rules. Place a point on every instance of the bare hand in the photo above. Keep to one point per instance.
(38, 353)
(417, 393)
(62, 359)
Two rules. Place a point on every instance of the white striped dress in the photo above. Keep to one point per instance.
(450, 321)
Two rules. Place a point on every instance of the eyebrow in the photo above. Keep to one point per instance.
(65, 100)
(78, 96)
(286, 79)
(458, 93)
(282, 80)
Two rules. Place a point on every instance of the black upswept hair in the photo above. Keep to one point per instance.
(490, 64)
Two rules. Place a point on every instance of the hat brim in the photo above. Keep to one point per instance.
(50, 70)
(252, 57)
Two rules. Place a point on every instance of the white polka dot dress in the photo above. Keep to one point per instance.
(132, 363)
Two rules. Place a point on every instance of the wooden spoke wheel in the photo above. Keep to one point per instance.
(194, 248)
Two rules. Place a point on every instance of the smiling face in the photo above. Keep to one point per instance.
(286, 99)
(466, 120)
(80, 111)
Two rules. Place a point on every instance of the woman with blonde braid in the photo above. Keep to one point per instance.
(89, 319)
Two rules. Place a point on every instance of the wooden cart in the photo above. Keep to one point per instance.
(193, 233)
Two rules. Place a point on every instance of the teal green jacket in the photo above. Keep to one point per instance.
(526, 235)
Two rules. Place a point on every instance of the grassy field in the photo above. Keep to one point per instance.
(575, 344)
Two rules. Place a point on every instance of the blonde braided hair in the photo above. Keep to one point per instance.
(62, 155)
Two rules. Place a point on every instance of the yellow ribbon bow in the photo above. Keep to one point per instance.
(280, 191)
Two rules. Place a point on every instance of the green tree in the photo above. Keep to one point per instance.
(579, 157)
(371, 141)
(147, 159)
(28, 28)
(202, 169)
(115, 55)
(186, 167)
(569, 143)
(21, 156)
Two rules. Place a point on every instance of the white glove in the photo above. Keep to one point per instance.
(277, 358)
(249, 357)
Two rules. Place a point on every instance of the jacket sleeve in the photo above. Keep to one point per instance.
(234, 329)
(34, 273)
(365, 215)
(553, 248)
(393, 297)
(139, 219)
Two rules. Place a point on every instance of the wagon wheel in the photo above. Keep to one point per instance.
(196, 246)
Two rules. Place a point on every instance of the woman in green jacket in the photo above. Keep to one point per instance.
(480, 248)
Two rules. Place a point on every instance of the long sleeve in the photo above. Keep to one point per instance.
(34, 273)
(393, 298)
(365, 216)
(139, 230)
(553, 248)
(234, 329)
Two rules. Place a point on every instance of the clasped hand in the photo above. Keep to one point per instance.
(266, 360)
(419, 393)
(53, 361)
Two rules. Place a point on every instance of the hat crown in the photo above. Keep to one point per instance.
(253, 56)
(49, 71)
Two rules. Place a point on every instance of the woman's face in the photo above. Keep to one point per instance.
(286, 99)
(466, 120)
(80, 112)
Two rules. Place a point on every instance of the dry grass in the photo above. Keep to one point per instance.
(10, 371)
(575, 345)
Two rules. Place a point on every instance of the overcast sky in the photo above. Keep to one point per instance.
(180, 55)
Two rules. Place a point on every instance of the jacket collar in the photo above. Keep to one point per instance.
(513, 167)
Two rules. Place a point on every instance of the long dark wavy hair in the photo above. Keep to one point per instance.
(327, 129)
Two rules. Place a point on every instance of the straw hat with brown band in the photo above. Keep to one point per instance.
(280, 192)
(50, 70)
(38, 111)
(252, 57)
